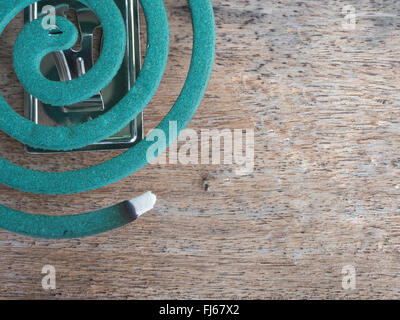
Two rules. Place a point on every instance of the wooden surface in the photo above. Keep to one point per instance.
(324, 193)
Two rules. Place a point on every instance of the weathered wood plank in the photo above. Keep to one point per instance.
(324, 193)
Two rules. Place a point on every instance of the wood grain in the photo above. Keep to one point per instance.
(325, 189)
